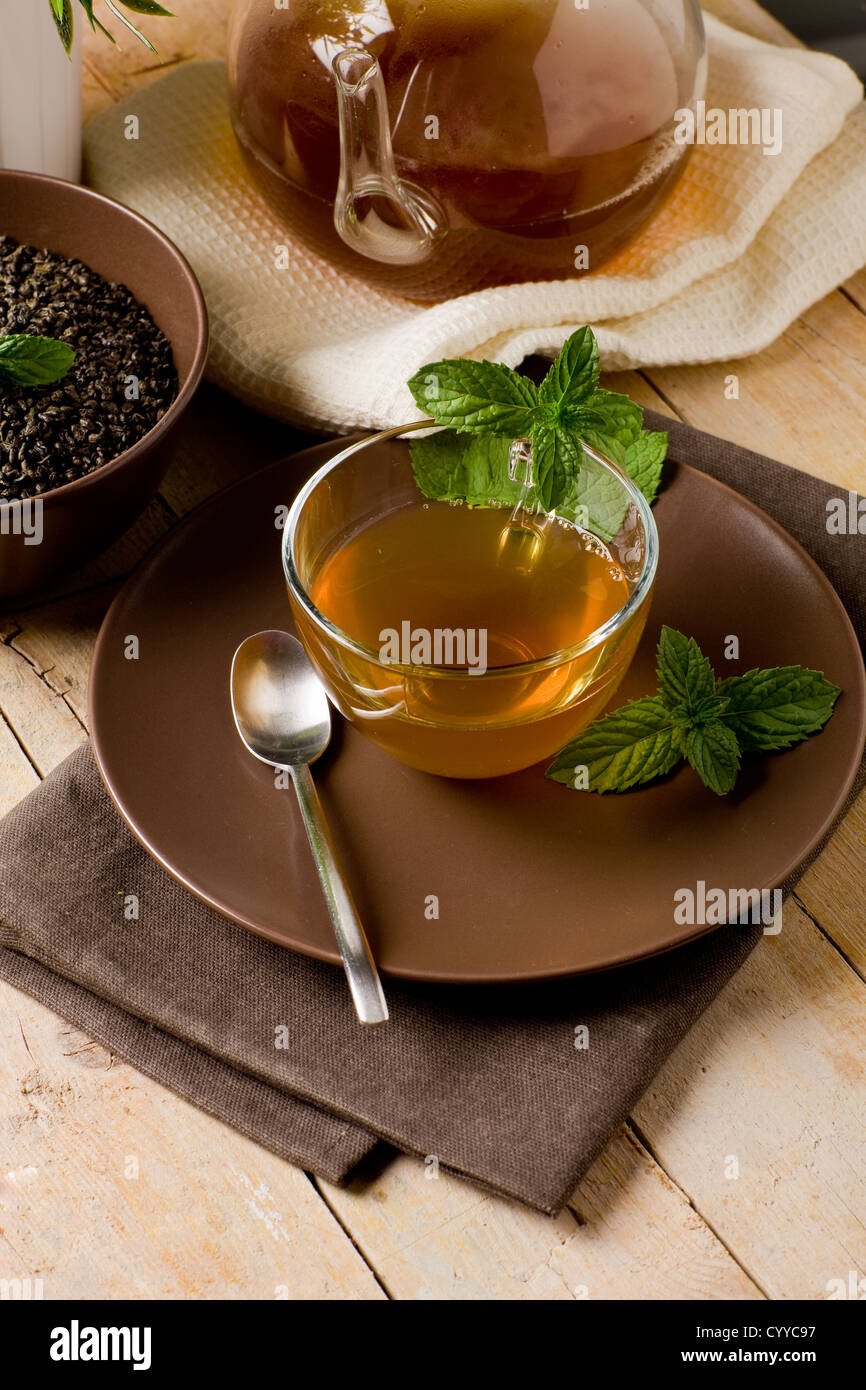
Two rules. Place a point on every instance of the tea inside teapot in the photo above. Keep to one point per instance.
(535, 136)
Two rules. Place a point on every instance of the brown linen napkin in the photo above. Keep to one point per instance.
(489, 1081)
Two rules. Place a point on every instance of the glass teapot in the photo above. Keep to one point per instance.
(434, 147)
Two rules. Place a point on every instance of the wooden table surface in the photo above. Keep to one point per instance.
(741, 1173)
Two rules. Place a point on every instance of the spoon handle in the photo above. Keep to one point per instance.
(361, 972)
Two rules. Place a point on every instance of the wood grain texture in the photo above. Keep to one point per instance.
(38, 715)
(855, 289)
(802, 400)
(111, 1187)
(19, 774)
(57, 641)
(832, 891)
(773, 1075)
(629, 1234)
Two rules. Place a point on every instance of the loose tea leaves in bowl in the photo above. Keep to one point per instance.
(122, 381)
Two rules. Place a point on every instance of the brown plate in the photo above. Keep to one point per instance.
(532, 880)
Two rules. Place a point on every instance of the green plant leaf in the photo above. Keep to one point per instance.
(129, 25)
(599, 503)
(633, 745)
(714, 753)
(146, 7)
(604, 444)
(556, 455)
(473, 468)
(685, 675)
(602, 496)
(464, 468)
(707, 709)
(87, 6)
(612, 416)
(29, 360)
(776, 708)
(711, 725)
(64, 18)
(573, 376)
(644, 460)
(479, 396)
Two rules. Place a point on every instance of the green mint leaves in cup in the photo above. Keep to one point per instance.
(694, 716)
(26, 359)
(487, 405)
(64, 17)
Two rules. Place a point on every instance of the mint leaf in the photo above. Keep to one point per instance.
(707, 709)
(601, 495)
(624, 749)
(615, 419)
(684, 673)
(644, 460)
(556, 456)
(573, 376)
(29, 360)
(598, 503)
(473, 468)
(776, 708)
(605, 444)
(465, 468)
(478, 396)
(714, 753)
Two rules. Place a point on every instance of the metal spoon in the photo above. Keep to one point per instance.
(281, 713)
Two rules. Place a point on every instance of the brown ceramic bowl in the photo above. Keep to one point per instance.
(81, 518)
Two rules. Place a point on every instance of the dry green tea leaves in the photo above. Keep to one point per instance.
(87, 371)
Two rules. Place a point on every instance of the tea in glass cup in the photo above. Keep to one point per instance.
(467, 641)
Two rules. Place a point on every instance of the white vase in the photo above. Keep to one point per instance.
(40, 91)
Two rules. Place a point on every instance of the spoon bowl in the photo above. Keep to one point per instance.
(279, 704)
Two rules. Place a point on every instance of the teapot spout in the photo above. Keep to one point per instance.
(376, 213)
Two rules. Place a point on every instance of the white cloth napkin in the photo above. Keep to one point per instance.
(744, 245)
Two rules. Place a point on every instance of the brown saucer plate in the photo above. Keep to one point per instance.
(530, 880)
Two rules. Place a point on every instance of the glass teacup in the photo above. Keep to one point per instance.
(467, 641)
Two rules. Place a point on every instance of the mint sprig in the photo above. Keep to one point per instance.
(27, 359)
(695, 717)
(489, 400)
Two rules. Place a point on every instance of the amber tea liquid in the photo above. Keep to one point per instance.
(552, 126)
(533, 587)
